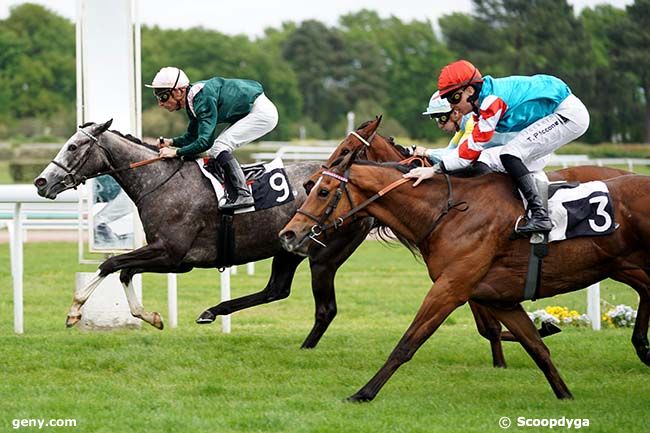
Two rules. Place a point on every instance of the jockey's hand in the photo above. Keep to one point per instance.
(168, 152)
(164, 142)
(422, 173)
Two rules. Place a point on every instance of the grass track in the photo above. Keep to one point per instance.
(195, 379)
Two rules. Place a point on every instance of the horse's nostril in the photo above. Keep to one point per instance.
(288, 235)
(40, 182)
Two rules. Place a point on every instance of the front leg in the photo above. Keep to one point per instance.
(80, 297)
(438, 304)
(150, 258)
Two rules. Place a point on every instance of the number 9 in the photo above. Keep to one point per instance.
(279, 183)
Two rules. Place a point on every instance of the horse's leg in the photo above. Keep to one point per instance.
(518, 322)
(439, 303)
(283, 269)
(490, 329)
(324, 264)
(639, 280)
(80, 297)
(150, 258)
(137, 309)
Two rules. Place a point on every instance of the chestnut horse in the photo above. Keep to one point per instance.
(480, 262)
(373, 146)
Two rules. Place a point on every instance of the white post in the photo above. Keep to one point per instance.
(17, 271)
(171, 300)
(250, 268)
(233, 270)
(593, 305)
(350, 126)
(225, 296)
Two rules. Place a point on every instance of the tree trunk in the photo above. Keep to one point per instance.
(646, 92)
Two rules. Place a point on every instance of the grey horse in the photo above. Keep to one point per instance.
(181, 222)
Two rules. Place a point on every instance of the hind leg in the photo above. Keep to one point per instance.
(639, 280)
(283, 268)
(518, 322)
(490, 329)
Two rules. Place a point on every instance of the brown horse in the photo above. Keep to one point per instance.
(373, 146)
(480, 262)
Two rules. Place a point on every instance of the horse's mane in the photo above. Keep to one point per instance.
(384, 233)
(127, 137)
(135, 140)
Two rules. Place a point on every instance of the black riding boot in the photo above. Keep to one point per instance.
(239, 195)
(539, 222)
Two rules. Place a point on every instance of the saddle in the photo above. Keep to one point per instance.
(252, 172)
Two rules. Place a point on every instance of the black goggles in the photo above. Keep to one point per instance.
(455, 97)
(442, 119)
(163, 95)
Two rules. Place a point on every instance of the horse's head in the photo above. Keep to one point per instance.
(367, 143)
(325, 207)
(80, 157)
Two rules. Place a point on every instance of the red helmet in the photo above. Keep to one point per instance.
(459, 74)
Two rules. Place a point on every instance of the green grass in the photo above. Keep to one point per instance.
(196, 379)
(5, 177)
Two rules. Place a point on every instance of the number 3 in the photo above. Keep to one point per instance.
(600, 211)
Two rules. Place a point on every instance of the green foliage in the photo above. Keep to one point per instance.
(316, 72)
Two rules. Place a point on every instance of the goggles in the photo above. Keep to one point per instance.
(442, 119)
(163, 95)
(455, 98)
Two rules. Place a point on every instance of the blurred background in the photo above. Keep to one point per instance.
(317, 63)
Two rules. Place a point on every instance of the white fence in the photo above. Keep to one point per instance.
(321, 153)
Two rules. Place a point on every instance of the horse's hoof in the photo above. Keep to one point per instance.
(359, 398)
(548, 329)
(158, 321)
(206, 318)
(70, 321)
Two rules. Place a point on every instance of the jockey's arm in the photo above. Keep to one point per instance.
(206, 123)
(492, 110)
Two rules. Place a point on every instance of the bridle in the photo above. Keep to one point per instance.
(320, 227)
(73, 180)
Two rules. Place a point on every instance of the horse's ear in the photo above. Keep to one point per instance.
(378, 119)
(103, 127)
(349, 159)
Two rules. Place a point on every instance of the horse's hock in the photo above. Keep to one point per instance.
(107, 308)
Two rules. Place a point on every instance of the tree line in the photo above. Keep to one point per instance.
(366, 64)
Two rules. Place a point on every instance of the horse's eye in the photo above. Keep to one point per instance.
(345, 152)
(72, 147)
(323, 193)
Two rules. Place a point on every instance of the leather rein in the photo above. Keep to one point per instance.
(72, 179)
(321, 226)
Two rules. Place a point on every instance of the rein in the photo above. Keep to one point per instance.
(319, 228)
(72, 180)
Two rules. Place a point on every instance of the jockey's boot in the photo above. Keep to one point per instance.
(539, 222)
(239, 196)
